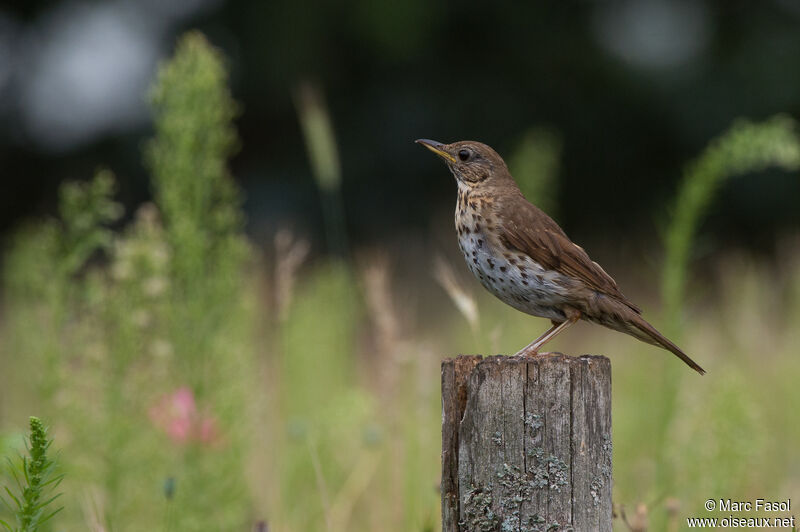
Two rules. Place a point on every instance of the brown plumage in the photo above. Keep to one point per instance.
(524, 258)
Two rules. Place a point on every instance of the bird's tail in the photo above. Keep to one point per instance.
(637, 326)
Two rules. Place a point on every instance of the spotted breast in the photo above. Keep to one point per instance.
(514, 278)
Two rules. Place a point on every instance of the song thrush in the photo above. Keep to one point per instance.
(524, 258)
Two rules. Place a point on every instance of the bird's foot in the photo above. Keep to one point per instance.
(530, 353)
(525, 352)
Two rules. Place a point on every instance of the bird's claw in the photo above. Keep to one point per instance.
(522, 353)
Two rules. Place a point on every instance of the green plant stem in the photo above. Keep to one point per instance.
(746, 147)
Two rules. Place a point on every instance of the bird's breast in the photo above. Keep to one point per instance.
(513, 277)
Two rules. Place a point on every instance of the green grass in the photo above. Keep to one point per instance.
(193, 384)
(745, 148)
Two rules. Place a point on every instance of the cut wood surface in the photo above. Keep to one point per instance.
(526, 443)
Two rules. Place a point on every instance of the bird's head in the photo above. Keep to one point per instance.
(472, 163)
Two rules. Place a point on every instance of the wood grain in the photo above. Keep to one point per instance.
(526, 443)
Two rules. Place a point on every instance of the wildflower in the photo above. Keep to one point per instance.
(178, 416)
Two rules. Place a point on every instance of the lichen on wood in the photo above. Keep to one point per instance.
(526, 443)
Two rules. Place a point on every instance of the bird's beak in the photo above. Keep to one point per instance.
(437, 148)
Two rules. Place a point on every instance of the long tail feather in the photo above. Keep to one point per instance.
(649, 334)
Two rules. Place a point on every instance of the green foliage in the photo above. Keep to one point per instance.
(154, 337)
(746, 147)
(199, 202)
(193, 113)
(190, 279)
(323, 154)
(42, 264)
(62, 247)
(729, 432)
(195, 136)
(535, 164)
(29, 260)
(86, 209)
(350, 453)
(150, 347)
(712, 437)
(36, 480)
(319, 137)
(323, 413)
(326, 305)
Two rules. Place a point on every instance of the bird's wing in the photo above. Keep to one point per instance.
(529, 230)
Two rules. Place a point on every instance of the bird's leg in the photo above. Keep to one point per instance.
(525, 349)
(552, 332)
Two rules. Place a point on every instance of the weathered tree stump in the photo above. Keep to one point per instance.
(526, 443)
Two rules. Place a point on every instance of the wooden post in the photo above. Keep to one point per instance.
(526, 443)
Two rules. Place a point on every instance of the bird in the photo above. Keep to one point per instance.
(522, 256)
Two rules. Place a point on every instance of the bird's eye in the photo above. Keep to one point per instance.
(463, 154)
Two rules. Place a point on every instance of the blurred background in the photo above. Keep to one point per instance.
(629, 90)
(214, 284)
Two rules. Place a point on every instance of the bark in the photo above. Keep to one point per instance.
(526, 443)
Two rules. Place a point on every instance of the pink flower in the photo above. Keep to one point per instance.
(208, 430)
(177, 415)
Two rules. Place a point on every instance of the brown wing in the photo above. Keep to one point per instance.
(528, 229)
